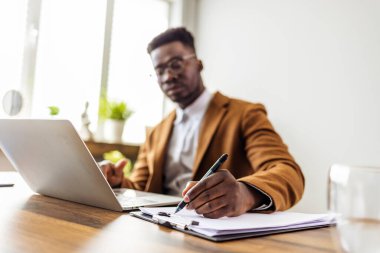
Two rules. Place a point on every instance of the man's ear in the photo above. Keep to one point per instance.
(200, 65)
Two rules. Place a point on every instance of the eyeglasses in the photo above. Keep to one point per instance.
(176, 65)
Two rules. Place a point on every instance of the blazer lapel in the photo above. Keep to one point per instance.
(214, 114)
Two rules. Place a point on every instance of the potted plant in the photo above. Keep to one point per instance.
(113, 114)
(53, 110)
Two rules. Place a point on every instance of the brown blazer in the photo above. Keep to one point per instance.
(241, 129)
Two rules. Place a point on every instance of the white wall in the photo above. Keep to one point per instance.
(316, 67)
(5, 165)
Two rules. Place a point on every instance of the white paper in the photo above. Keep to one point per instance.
(7, 178)
(248, 222)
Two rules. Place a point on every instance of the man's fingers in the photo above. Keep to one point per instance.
(207, 197)
(189, 185)
(219, 213)
(206, 184)
(212, 206)
(108, 171)
(119, 166)
(103, 166)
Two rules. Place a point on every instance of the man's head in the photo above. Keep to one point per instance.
(177, 67)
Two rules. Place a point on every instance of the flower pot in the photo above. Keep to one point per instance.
(113, 130)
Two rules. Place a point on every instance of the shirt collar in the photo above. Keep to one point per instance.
(196, 110)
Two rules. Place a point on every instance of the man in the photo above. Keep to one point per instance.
(259, 174)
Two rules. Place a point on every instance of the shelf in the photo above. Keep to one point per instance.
(97, 149)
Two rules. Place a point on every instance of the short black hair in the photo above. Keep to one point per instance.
(180, 34)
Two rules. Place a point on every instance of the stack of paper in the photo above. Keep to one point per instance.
(7, 178)
(246, 223)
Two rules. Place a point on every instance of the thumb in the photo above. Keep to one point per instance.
(189, 185)
(119, 166)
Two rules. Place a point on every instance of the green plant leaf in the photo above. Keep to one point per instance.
(113, 110)
(54, 110)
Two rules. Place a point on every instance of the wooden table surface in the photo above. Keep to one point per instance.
(34, 223)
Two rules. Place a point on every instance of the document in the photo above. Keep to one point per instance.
(7, 178)
(248, 223)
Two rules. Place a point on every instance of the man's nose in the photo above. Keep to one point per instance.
(168, 75)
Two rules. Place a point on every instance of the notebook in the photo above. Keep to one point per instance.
(229, 228)
(7, 178)
(54, 161)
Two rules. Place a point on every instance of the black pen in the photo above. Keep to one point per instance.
(6, 185)
(211, 171)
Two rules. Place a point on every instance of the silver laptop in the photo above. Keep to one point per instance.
(54, 161)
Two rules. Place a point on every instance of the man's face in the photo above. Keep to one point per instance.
(178, 72)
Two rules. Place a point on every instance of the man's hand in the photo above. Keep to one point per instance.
(113, 172)
(221, 195)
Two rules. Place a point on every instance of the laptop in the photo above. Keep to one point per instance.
(54, 161)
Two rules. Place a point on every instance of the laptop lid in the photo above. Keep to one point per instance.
(54, 161)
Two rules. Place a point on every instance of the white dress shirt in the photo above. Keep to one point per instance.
(183, 144)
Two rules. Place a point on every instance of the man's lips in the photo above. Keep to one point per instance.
(174, 89)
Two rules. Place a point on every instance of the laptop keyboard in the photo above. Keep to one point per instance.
(133, 201)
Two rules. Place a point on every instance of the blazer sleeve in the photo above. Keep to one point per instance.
(275, 171)
(140, 174)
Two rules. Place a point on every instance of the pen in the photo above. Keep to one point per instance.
(6, 185)
(211, 171)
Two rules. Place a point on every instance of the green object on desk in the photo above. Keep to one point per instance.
(114, 156)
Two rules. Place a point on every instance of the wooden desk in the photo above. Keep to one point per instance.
(34, 223)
